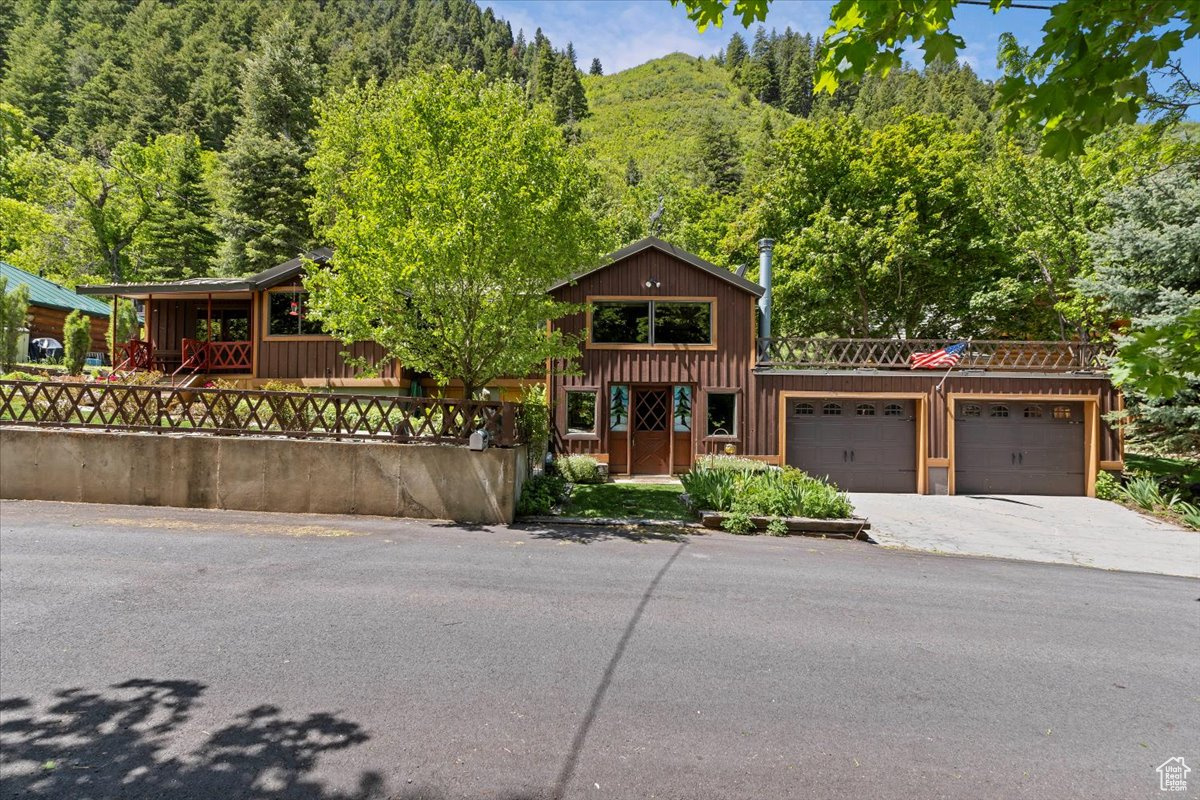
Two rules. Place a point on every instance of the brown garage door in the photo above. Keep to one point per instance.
(1018, 447)
(866, 445)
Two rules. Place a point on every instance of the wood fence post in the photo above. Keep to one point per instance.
(508, 424)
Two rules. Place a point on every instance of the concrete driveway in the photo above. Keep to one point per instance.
(1056, 530)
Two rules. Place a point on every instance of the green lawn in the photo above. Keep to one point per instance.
(639, 500)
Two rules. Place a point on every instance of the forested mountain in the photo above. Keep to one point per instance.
(661, 115)
(95, 72)
(104, 85)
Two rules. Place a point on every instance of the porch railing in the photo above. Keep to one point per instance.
(303, 415)
(218, 356)
(987, 354)
(137, 355)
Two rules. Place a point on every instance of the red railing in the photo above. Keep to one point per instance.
(216, 356)
(138, 355)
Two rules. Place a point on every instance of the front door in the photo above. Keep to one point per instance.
(651, 431)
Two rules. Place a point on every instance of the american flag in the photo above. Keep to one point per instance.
(945, 357)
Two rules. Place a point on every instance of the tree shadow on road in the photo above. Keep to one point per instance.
(130, 740)
(589, 534)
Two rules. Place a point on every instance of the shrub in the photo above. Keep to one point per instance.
(1107, 487)
(738, 522)
(14, 306)
(18, 375)
(1144, 492)
(77, 340)
(533, 420)
(1190, 514)
(777, 527)
(733, 463)
(783, 492)
(126, 327)
(579, 469)
(540, 494)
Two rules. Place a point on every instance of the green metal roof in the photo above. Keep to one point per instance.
(49, 294)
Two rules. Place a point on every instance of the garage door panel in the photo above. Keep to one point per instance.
(1019, 447)
(870, 446)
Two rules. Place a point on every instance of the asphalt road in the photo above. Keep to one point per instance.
(155, 653)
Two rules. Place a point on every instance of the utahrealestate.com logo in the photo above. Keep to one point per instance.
(1172, 775)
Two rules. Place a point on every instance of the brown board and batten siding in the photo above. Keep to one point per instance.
(726, 366)
(771, 384)
(318, 358)
(312, 357)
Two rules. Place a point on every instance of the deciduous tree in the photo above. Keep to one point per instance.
(451, 206)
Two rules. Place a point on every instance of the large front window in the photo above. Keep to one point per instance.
(287, 315)
(652, 322)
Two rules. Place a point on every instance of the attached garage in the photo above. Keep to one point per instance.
(1016, 446)
(863, 444)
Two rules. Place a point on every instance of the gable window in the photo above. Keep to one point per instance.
(287, 315)
(682, 323)
(652, 322)
(722, 414)
(581, 411)
(621, 322)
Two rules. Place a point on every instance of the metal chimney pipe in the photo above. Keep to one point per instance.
(765, 246)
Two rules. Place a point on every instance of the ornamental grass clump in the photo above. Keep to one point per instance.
(785, 492)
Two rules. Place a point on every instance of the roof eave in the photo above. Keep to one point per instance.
(739, 282)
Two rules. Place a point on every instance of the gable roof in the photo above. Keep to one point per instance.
(272, 276)
(49, 294)
(666, 247)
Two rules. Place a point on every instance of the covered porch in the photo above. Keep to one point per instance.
(204, 326)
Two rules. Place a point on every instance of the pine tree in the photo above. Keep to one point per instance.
(177, 240)
(264, 177)
(543, 70)
(720, 157)
(567, 97)
(633, 175)
(152, 91)
(761, 76)
(596, 68)
(35, 73)
(735, 52)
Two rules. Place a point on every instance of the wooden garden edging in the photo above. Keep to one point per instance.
(852, 528)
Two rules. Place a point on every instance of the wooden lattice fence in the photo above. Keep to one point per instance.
(250, 412)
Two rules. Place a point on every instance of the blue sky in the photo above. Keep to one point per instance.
(625, 33)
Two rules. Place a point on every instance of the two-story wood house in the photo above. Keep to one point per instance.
(676, 361)
(672, 368)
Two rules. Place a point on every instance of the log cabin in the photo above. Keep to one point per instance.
(677, 362)
(49, 305)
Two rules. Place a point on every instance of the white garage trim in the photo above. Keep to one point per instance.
(1091, 425)
(921, 399)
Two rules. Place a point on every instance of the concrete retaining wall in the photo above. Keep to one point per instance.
(261, 474)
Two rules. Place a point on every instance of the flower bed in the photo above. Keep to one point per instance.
(766, 498)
